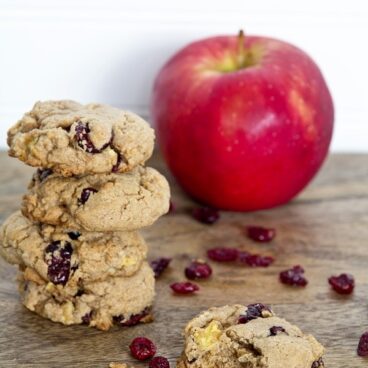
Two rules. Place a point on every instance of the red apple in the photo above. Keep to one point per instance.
(244, 124)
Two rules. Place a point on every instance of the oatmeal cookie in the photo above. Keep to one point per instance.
(247, 337)
(100, 202)
(74, 139)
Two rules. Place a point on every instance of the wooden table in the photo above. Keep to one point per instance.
(325, 230)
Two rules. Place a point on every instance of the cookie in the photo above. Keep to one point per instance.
(100, 202)
(63, 256)
(75, 139)
(252, 337)
(123, 300)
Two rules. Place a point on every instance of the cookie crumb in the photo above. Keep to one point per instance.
(118, 365)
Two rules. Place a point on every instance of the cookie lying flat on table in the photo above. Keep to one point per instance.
(75, 139)
(124, 300)
(247, 337)
(64, 257)
(100, 202)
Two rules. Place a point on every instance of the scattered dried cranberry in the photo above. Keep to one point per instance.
(133, 320)
(294, 277)
(159, 265)
(260, 234)
(363, 345)
(159, 362)
(254, 311)
(86, 319)
(184, 287)
(58, 259)
(142, 348)
(74, 235)
(43, 174)
(255, 260)
(86, 192)
(83, 139)
(198, 270)
(318, 363)
(275, 330)
(223, 254)
(343, 284)
(206, 215)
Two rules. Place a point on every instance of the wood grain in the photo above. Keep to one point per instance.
(325, 230)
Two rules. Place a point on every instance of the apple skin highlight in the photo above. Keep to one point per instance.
(242, 135)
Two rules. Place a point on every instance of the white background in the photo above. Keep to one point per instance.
(109, 51)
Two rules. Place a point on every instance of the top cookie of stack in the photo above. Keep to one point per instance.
(74, 139)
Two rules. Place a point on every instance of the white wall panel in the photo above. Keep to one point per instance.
(110, 51)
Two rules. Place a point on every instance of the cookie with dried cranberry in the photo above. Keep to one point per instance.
(237, 336)
(100, 202)
(125, 301)
(74, 139)
(69, 258)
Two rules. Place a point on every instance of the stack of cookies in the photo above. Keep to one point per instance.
(80, 257)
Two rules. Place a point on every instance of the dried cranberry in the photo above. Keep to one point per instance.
(53, 246)
(184, 287)
(223, 254)
(275, 330)
(363, 345)
(133, 320)
(119, 160)
(83, 139)
(318, 363)
(159, 265)
(74, 267)
(86, 319)
(74, 235)
(254, 311)
(294, 277)
(159, 362)
(86, 192)
(342, 284)
(255, 260)
(80, 292)
(198, 270)
(260, 234)
(142, 348)
(206, 215)
(58, 259)
(43, 174)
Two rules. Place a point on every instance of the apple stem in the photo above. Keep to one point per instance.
(242, 55)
